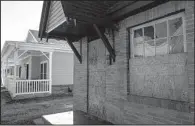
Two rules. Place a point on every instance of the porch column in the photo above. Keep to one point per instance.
(15, 71)
(2, 74)
(6, 84)
(50, 71)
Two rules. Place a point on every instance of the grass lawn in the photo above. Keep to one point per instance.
(25, 111)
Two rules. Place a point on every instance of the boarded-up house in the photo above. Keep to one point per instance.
(134, 60)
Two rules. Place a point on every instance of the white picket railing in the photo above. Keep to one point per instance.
(32, 86)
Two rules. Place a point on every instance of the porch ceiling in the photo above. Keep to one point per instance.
(82, 15)
(87, 18)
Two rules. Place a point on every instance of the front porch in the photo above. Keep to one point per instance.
(27, 72)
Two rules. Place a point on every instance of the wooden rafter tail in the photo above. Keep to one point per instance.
(115, 27)
(105, 41)
(74, 50)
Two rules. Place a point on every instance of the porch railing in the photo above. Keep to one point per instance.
(17, 87)
(32, 86)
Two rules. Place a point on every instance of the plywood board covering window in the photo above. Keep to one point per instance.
(160, 37)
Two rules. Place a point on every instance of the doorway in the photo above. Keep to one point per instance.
(27, 70)
(44, 70)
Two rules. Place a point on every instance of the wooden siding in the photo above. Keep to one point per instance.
(62, 72)
(87, 11)
(56, 16)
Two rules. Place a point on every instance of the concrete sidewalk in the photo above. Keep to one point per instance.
(76, 118)
(81, 118)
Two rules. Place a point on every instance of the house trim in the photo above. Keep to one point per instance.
(45, 61)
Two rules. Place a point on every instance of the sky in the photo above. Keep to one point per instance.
(17, 17)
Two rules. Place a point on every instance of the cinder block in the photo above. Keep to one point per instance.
(190, 67)
(190, 3)
(177, 58)
(190, 35)
(190, 58)
(191, 46)
(191, 95)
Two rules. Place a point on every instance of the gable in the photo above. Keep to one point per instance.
(56, 16)
(30, 37)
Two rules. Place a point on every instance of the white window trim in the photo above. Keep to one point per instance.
(153, 24)
(45, 61)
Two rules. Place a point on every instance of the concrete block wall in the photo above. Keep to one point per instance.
(108, 84)
(80, 78)
(97, 78)
(173, 69)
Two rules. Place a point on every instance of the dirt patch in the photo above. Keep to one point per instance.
(25, 111)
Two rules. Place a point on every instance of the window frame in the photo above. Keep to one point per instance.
(42, 74)
(153, 23)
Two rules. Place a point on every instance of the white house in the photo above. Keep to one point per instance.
(35, 67)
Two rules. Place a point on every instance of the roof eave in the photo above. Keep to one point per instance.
(44, 17)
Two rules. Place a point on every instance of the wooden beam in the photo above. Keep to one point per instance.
(22, 54)
(81, 47)
(74, 50)
(105, 41)
(86, 11)
(44, 55)
(113, 39)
